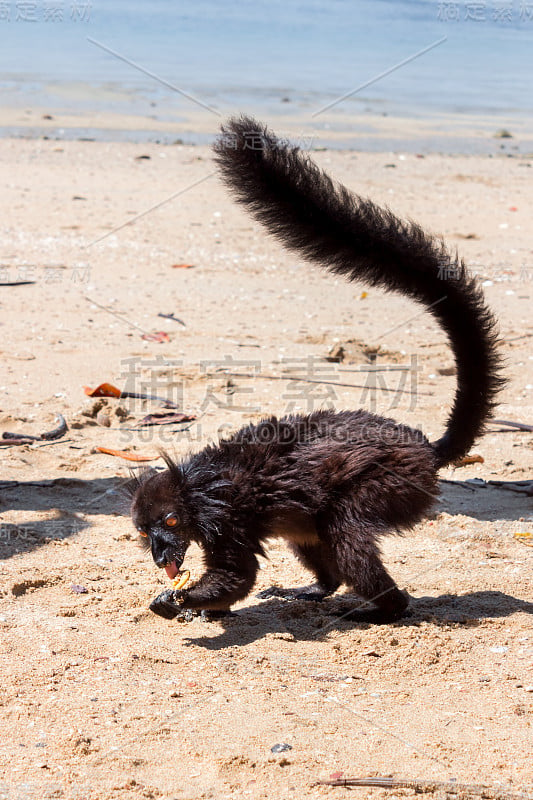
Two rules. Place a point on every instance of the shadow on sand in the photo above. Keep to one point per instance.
(307, 621)
(69, 500)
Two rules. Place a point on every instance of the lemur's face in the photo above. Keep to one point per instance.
(161, 520)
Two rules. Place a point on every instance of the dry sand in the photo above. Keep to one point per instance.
(100, 698)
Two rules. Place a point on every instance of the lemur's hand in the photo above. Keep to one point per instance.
(169, 603)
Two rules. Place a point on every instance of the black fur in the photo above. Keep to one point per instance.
(331, 483)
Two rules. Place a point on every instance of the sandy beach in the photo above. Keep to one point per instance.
(100, 699)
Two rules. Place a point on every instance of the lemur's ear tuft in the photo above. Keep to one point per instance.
(174, 468)
(136, 480)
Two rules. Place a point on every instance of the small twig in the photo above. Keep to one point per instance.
(449, 787)
(58, 441)
(36, 442)
(114, 314)
(17, 283)
(515, 338)
(171, 316)
(312, 380)
(243, 344)
(501, 430)
(143, 430)
(165, 418)
(387, 368)
(521, 426)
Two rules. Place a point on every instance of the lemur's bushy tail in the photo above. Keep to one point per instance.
(350, 235)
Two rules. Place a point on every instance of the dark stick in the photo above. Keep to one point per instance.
(171, 316)
(449, 787)
(47, 444)
(17, 283)
(23, 438)
(56, 433)
(386, 368)
(326, 383)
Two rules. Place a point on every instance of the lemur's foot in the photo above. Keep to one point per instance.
(314, 592)
(386, 612)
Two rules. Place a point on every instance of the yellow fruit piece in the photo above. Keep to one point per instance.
(525, 538)
(181, 580)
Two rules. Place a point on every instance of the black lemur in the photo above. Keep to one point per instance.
(331, 483)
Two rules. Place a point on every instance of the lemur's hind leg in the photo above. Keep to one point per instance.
(359, 564)
(320, 561)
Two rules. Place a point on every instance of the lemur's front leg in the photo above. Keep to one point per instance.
(229, 577)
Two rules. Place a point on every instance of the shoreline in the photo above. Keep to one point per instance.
(450, 134)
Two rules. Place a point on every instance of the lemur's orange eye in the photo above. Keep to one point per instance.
(171, 521)
(143, 533)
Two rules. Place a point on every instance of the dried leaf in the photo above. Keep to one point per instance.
(473, 459)
(108, 390)
(103, 390)
(125, 454)
(183, 266)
